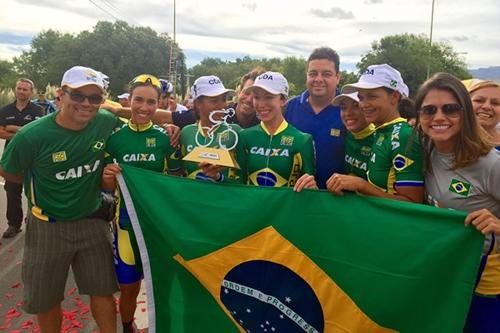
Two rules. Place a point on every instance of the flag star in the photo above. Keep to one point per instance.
(226, 291)
(281, 316)
(267, 323)
(234, 312)
(273, 329)
(261, 325)
(265, 329)
(288, 299)
(249, 311)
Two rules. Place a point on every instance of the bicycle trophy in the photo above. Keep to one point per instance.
(225, 141)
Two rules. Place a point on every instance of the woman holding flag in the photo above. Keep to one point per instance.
(462, 171)
(276, 153)
(141, 144)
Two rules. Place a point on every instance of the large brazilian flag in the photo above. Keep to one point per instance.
(232, 258)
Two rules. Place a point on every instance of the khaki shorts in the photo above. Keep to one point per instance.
(52, 248)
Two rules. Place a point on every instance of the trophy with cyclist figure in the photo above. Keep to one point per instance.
(216, 142)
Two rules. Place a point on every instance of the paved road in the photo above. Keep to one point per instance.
(77, 317)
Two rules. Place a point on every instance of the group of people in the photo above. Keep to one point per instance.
(350, 139)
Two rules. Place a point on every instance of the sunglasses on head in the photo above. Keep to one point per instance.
(78, 97)
(451, 109)
(146, 78)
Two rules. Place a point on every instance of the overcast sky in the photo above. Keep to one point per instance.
(268, 28)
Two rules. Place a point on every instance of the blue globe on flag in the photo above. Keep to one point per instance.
(263, 296)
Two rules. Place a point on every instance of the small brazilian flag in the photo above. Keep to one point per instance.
(98, 145)
(459, 187)
(237, 259)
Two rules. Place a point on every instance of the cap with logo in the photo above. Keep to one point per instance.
(79, 76)
(272, 82)
(209, 86)
(340, 98)
(166, 87)
(377, 76)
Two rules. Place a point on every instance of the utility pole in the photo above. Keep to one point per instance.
(430, 42)
(172, 70)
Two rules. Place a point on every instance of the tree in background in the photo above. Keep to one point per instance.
(116, 49)
(411, 55)
(230, 72)
(8, 75)
(346, 78)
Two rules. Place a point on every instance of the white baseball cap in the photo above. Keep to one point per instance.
(272, 82)
(377, 76)
(338, 99)
(123, 96)
(79, 76)
(209, 86)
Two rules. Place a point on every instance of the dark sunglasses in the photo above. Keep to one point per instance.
(450, 110)
(80, 98)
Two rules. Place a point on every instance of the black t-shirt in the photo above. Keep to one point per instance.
(11, 115)
(184, 118)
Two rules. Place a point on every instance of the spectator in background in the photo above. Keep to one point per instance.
(13, 117)
(123, 100)
(312, 112)
(486, 102)
(407, 110)
(245, 115)
(167, 99)
(48, 106)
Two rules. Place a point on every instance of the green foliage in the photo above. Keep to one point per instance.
(411, 55)
(347, 77)
(116, 49)
(230, 72)
(6, 97)
(8, 75)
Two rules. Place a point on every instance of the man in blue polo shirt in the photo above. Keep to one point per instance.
(312, 112)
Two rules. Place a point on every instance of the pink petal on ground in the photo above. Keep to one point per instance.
(27, 324)
(9, 295)
(12, 313)
(16, 285)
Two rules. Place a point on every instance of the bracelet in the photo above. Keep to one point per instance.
(220, 178)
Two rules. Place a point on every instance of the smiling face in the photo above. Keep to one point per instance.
(442, 128)
(486, 103)
(143, 104)
(322, 78)
(268, 106)
(77, 115)
(351, 115)
(245, 99)
(378, 106)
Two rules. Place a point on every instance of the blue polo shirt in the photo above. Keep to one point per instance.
(328, 133)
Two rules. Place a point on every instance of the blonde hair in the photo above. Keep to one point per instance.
(480, 84)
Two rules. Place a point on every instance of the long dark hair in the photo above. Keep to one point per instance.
(472, 142)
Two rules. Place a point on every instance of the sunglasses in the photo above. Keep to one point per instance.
(449, 110)
(146, 78)
(78, 97)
